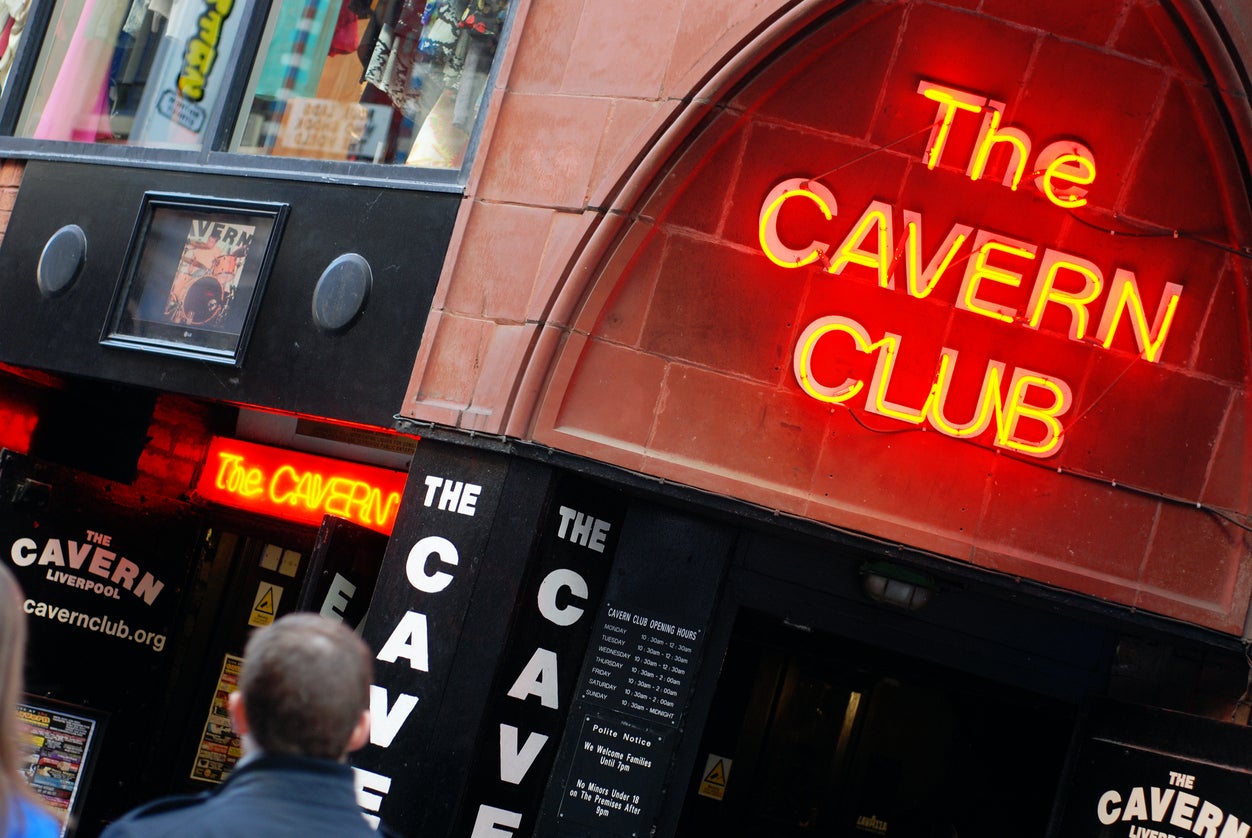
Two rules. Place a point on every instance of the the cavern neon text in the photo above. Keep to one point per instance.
(1024, 405)
(297, 486)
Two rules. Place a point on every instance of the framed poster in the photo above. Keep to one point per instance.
(219, 747)
(57, 745)
(193, 276)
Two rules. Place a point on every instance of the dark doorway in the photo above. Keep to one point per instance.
(817, 735)
(261, 570)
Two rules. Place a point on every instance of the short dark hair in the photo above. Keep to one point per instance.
(305, 682)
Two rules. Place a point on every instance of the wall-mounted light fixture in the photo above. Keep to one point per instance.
(896, 586)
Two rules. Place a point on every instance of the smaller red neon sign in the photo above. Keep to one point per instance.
(298, 487)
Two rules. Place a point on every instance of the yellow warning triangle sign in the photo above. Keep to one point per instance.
(716, 771)
(266, 603)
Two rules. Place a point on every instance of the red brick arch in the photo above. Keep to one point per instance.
(679, 357)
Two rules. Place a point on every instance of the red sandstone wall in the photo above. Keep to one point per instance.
(671, 337)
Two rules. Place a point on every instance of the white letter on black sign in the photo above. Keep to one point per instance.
(409, 640)
(553, 582)
(539, 678)
(337, 598)
(419, 556)
(489, 817)
(514, 763)
(23, 552)
(373, 782)
(384, 723)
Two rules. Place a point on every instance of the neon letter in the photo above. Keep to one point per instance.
(991, 134)
(988, 399)
(1124, 293)
(1052, 263)
(922, 282)
(1070, 162)
(877, 216)
(978, 270)
(802, 360)
(950, 101)
(771, 245)
(882, 378)
(1016, 408)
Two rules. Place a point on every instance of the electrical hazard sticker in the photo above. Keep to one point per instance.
(716, 771)
(265, 606)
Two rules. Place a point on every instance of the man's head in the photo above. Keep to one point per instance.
(304, 688)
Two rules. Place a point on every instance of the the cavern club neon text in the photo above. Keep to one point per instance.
(1025, 405)
(299, 487)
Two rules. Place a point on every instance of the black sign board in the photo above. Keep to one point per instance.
(642, 665)
(291, 355)
(638, 674)
(539, 670)
(614, 779)
(417, 618)
(343, 569)
(103, 572)
(1125, 791)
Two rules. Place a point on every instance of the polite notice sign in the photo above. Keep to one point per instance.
(612, 781)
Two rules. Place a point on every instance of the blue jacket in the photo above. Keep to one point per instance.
(271, 796)
(29, 820)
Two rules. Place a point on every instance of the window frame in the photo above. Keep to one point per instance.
(212, 158)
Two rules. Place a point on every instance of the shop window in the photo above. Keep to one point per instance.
(354, 81)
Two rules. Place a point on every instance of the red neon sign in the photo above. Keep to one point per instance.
(298, 487)
(1024, 407)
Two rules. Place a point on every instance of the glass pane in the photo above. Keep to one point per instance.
(13, 16)
(395, 81)
(138, 72)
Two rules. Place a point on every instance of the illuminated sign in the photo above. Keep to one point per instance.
(1059, 163)
(1024, 406)
(298, 487)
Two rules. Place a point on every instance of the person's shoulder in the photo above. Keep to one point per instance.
(141, 819)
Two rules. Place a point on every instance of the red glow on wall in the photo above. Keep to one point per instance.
(298, 487)
(16, 428)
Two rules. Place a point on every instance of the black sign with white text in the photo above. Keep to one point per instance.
(538, 674)
(103, 572)
(1122, 791)
(416, 620)
(641, 665)
(614, 774)
(638, 673)
(100, 575)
